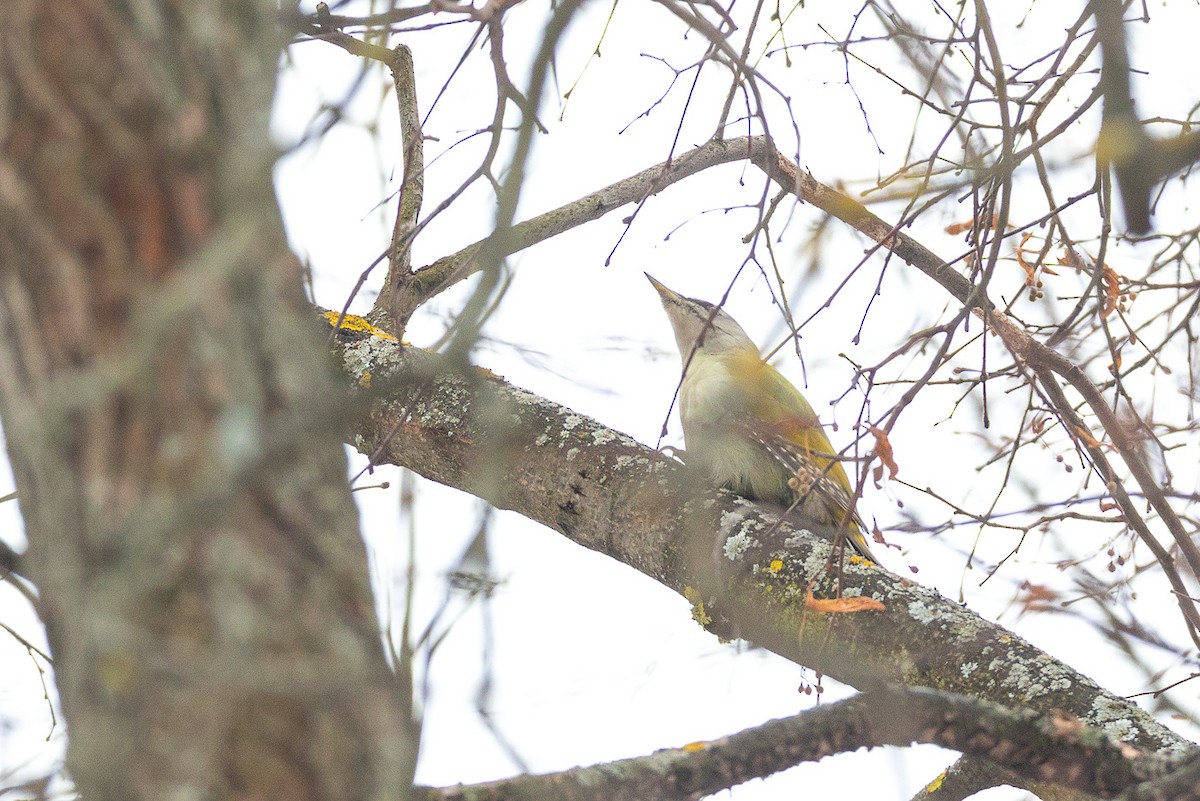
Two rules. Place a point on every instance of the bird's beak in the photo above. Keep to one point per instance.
(662, 290)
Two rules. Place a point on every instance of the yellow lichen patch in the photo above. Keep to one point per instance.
(357, 325)
(936, 784)
(486, 373)
(699, 613)
(857, 603)
(364, 380)
(692, 748)
(775, 566)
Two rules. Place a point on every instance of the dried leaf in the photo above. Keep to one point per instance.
(1087, 437)
(1112, 290)
(857, 603)
(883, 449)
(1070, 258)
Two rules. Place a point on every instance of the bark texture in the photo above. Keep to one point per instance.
(191, 530)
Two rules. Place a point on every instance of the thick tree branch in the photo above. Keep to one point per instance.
(1042, 749)
(745, 572)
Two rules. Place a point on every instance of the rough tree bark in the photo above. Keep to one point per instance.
(191, 530)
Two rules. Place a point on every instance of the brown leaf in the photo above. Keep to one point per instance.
(883, 449)
(857, 603)
(1112, 290)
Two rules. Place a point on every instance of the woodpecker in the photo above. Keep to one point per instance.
(747, 428)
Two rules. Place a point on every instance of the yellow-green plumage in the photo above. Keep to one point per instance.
(746, 427)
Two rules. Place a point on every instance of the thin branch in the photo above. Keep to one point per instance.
(412, 187)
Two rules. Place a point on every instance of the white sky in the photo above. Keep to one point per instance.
(593, 661)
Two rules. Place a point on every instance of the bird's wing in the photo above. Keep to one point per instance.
(793, 435)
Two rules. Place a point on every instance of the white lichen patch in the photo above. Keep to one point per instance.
(603, 436)
(374, 356)
(1115, 722)
(968, 668)
(918, 611)
(624, 460)
(1028, 681)
(927, 606)
(799, 539)
(524, 397)
(571, 422)
(446, 420)
(572, 453)
(737, 544)
(356, 357)
(737, 520)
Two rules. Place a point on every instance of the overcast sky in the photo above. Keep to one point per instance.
(590, 660)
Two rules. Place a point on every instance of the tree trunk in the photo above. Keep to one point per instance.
(175, 445)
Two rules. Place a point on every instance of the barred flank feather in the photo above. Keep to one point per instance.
(819, 495)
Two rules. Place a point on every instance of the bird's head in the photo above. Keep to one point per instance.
(700, 325)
